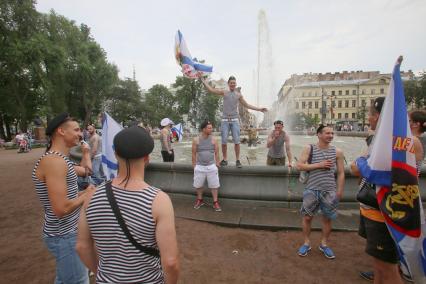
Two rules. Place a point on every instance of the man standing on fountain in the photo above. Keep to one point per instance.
(230, 117)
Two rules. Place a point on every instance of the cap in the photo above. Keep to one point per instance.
(56, 122)
(279, 122)
(166, 121)
(133, 143)
(378, 104)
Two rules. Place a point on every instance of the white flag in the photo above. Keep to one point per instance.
(109, 129)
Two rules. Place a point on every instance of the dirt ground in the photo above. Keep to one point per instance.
(208, 253)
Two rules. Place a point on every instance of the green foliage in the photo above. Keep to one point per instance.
(193, 100)
(124, 103)
(415, 92)
(161, 103)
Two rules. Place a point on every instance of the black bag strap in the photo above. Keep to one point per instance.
(148, 250)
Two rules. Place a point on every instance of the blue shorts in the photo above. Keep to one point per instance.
(234, 126)
(313, 200)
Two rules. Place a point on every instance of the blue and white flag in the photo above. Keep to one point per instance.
(190, 66)
(391, 166)
(177, 132)
(109, 129)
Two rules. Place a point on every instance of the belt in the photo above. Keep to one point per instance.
(229, 119)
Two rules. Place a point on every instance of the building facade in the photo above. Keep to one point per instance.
(340, 99)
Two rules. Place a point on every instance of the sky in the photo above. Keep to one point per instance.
(305, 36)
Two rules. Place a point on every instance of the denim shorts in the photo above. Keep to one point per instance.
(69, 268)
(313, 200)
(234, 126)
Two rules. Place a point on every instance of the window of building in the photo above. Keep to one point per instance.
(333, 93)
(332, 115)
(339, 115)
(297, 105)
(303, 105)
(339, 104)
(347, 103)
(353, 115)
(347, 92)
(333, 103)
(371, 102)
(363, 103)
(382, 91)
(310, 104)
(382, 81)
(353, 103)
(363, 92)
(354, 92)
(346, 115)
(316, 104)
(373, 91)
(340, 92)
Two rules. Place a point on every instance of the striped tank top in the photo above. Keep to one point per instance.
(323, 179)
(53, 225)
(119, 260)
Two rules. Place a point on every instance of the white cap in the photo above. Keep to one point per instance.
(166, 121)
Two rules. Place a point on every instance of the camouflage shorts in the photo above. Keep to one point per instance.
(314, 200)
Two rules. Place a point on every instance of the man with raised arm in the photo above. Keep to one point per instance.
(230, 117)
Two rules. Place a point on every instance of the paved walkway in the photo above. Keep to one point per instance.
(257, 215)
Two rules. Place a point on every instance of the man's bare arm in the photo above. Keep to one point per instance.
(288, 150)
(211, 89)
(340, 172)
(244, 103)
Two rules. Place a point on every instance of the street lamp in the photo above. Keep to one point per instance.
(323, 109)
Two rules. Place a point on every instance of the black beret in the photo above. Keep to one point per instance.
(133, 142)
(55, 122)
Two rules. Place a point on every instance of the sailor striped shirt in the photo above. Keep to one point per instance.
(53, 225)
(323, 179)
(119, 260)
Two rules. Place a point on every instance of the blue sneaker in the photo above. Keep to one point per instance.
(328, 252)
(303, 250)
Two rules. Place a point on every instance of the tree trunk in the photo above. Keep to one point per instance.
(8, 132)
(2, 133)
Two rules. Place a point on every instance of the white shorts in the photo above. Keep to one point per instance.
(211, 173)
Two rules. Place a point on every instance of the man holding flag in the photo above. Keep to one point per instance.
(395, 226)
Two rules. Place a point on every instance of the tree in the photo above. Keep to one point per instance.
(20, 68)
(124, 103)
(415, 92)
(161, 103)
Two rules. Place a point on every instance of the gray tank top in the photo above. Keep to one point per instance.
(230, 104)
(277, 149)
(322, 179)
(205, 151)
(168, 145)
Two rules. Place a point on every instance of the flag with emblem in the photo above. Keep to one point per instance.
(391, 166)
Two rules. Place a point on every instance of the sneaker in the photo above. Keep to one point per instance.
(238, 164)
(216, 206)
(328, 252)
(367, 275)
(303, 250)
(198, 203)
(223, 163)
